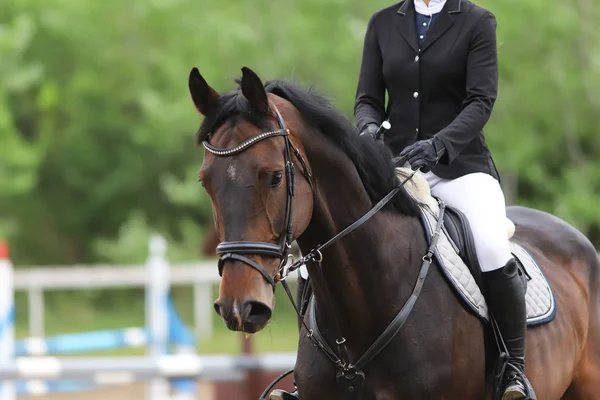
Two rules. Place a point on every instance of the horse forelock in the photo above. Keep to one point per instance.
(230, 108)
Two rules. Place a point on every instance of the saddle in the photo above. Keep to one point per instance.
(457, 256)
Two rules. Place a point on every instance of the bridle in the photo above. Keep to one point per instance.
(350, 375)
(239, 249)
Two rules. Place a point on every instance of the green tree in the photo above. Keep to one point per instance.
(96, 124)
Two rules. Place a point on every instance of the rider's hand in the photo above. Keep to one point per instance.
(424, 154)
(370, 130)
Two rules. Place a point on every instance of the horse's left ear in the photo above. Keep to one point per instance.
(204, 96)
(254, 91)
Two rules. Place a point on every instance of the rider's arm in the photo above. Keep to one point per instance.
(481, 90)
(369, 107)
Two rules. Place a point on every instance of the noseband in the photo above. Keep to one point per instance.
(239, 249)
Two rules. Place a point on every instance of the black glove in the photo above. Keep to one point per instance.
(370, 129)
(424, 154)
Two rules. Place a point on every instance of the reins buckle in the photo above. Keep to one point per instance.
(284, 267)
(320, 258)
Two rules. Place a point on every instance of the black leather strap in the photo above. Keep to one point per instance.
(394, 327)
(246, 260)
(364, 218)
(260, 248)
(305, 171)
(317, 337)
(316, 255)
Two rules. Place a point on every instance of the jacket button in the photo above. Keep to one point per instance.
(416, 94)
(416, 58)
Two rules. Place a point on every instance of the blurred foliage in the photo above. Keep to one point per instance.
(96, 124)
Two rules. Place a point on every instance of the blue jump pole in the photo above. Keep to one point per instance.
(164, 327)
(83, 342)
(184, 342)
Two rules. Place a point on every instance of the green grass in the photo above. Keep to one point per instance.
(82, 311)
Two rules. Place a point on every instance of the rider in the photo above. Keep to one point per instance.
(437, 60)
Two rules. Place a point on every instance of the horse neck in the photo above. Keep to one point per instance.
(357, 280)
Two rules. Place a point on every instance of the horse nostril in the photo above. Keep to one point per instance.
(217, 306)
(256, 312)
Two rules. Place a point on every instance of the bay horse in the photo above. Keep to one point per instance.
(281, 164)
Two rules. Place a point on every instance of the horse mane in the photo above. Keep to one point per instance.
(373, 160)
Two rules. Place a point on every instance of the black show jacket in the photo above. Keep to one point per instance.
(445, 88)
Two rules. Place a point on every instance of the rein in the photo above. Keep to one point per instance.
(350, 376)
(312, 255)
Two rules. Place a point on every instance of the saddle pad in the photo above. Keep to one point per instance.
(541, 304)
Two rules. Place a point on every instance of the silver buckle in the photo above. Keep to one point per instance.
(286, 263)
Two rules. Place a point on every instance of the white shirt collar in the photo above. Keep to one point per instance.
(435, 6)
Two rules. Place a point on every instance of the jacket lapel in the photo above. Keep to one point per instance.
(443, 22)
(406, 24)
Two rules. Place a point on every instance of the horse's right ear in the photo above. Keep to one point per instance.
(254, 91)
(203, 95)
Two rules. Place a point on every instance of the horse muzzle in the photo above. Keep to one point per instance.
(250, 316)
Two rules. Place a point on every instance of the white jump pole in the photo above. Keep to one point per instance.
(157, 318)
(7, 321)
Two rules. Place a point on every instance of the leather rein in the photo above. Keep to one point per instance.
(350, 376)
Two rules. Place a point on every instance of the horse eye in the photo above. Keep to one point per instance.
(277, 178)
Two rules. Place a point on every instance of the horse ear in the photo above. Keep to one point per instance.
(203, 95)
(254, 91)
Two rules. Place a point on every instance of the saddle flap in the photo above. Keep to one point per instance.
(541, 305)
(457, 258)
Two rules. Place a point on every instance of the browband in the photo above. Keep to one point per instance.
(245, 144)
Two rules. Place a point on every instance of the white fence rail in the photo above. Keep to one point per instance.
(129, 369)
(35, 281)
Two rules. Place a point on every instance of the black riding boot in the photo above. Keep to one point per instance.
(505, 295)
(302, 296)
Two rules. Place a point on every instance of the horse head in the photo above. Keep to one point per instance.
(248, 172)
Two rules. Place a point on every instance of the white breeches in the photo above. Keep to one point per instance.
(480, 197)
